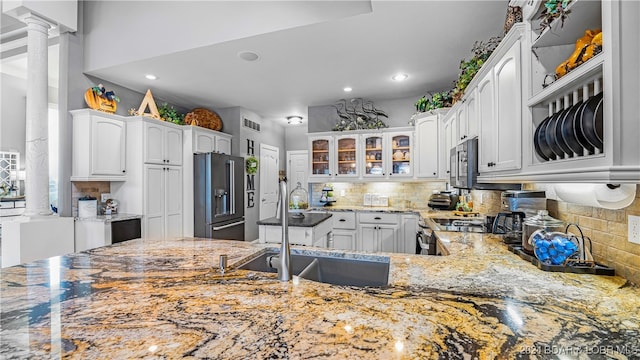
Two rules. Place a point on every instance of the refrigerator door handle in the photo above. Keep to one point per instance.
(232, 187)
(216, 228)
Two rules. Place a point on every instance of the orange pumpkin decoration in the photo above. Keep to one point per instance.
(97, 102)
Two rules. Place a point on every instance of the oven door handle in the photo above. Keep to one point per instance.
(216, 228)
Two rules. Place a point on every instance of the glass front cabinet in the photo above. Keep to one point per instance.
(347, 156)
(373, 155)
(321, 157)
(400, 145)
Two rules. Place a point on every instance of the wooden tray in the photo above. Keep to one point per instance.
(465, 213)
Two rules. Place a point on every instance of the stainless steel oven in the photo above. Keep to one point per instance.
(464, 164)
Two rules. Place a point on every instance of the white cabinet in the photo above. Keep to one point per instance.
(500, 113)
(163, 144)
(347, 152)
(197, 140)
(375, 162)
(344, 230)
(321, 157)
(400, 154)
(99, 146)
(471, 123)
(162, 201)
(154, 188)
(409, 229)
(377, 232)
(431, 145)
(298, 235)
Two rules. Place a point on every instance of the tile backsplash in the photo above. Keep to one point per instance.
(607, 230)
(401, 195)
(87, 188)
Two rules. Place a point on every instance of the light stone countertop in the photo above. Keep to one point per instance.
(164, 299)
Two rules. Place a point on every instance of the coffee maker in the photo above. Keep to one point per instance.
(517, 205)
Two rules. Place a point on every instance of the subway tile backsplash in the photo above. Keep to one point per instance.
(607, 230)
(401, 195)
(87, 188)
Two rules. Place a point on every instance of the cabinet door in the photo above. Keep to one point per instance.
(461, 116)
(409, 230)
(487, 122)
(173, 146)
(400, 154)
(373, 155)
(472, 114)
(320, 157)
(223, 145)
(173, 203)
(108, 140)
(428, 145)
(154, 198)
(507, 90)
(387, 238)
(347, 156)
(154, 143)
(204, 142)
(344, 240)
(447, 147)
(368, 239)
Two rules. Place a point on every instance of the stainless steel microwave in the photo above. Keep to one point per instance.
(464, 164)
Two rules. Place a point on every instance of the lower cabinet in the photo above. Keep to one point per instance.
(377, 232)
(344, 231)
(407, 243)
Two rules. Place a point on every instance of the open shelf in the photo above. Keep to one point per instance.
(584, 14)
(573, 80)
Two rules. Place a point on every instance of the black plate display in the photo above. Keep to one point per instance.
(558, 134)
(550, 135)
(542, 141)
(567, 130)
(536, 141)
(587, 123)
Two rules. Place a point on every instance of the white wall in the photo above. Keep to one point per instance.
(13, 93)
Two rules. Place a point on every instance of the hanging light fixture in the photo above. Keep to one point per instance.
(294, 120)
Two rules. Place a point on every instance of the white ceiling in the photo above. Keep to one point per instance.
(309, 65)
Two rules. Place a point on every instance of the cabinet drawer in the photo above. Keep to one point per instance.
(378, 218)
(20, 204)
(344, 220)
(6, 205)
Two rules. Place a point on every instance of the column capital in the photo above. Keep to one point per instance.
(36, 22)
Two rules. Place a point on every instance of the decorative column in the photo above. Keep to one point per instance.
(37, 126)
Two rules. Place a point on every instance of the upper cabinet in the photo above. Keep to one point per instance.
(163, 143)
(347, 154)
(99, 145)
(361, 154)
(432, 145)
(501, 113)
(580, 121)
(201, 140)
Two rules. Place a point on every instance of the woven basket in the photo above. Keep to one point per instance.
(204, 118)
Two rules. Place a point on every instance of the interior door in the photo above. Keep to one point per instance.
(269, 156)
(298, 168)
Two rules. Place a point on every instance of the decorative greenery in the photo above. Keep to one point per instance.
(169, 113)
(553, 9)
(469, 68)
(102, 92)
(437, 101)
(251, 165)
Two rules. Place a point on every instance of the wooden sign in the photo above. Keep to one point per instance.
(148, 101)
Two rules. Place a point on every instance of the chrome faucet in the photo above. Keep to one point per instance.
(284, 260)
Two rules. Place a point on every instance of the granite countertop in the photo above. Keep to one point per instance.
(110, 218)
(309, 220)
(164, 299)
(387, 209)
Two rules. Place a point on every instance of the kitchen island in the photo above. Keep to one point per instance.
(165, 299)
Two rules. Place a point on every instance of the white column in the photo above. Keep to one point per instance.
(37, 133)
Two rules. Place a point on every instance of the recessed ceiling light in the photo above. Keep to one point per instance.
(347, 89)
(248, 55)
(151, 76)
(399, 77)
(294, 120)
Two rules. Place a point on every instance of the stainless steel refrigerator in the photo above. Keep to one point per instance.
(218, 197)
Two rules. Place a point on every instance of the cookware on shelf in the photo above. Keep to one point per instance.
(558, 133)
(591, 122)
(567, 130)
(550, 135)
(537, 141)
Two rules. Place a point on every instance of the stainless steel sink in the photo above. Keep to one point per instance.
(330, 270)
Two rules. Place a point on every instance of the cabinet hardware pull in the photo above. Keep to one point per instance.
(448, 171)
(377, 218)
(342, 220)
(124, 171)
(434, 173)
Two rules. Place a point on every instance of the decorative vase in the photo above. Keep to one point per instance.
(576, 57)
